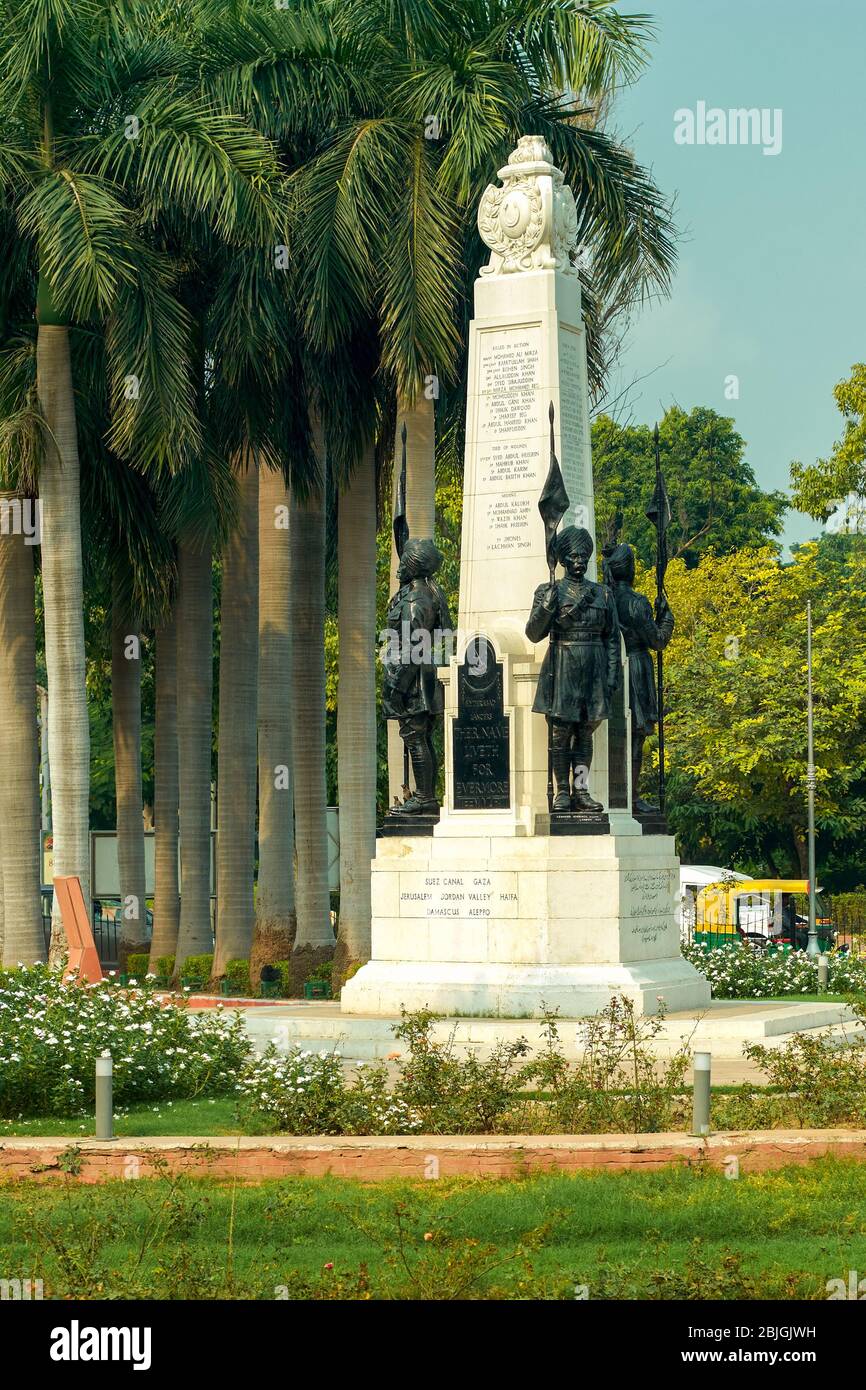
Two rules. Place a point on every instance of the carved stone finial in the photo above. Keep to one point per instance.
(530, 223)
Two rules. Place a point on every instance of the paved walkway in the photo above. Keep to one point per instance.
(722, 1030)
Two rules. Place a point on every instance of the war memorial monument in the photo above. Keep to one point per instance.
(543, 880)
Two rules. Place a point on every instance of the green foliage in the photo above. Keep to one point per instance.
(137, 966)
(736, 971)
(164, 967)
(817, 487)
(622, 1235)
(303, 1092)
(736, 687)
(817, 1083)
(198, 968)
(452, 1094)
(237, 976)
(51, 1034)
(848, 911)
(321, 972)
(618, 1085)
(716, 503)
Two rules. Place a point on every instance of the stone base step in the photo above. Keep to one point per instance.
(721, 1029)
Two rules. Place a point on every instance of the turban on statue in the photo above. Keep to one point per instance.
(618, 561)
(420, 557)
(574, 540)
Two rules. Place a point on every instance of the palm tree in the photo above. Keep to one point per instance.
(166, 902)
(77, 181)
(356, 710)
(126, 722)
(194, 617)
(23, 939)
(275, 904)
(238, 711)
(314, 941)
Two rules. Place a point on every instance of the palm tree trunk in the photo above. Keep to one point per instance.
(419, 419)
(62, 585)
(315, 938)
(126, 724)
(356, 712)
(166, 901)
(275, 905)
(238, 717)
(21, 937)
(194, 737)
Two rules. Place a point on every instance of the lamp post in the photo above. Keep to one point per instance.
(812, 947)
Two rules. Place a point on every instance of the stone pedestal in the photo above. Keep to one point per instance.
(497, 925)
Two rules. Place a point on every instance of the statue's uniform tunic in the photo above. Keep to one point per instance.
(642, 635)
(411, 691)
(581, 668)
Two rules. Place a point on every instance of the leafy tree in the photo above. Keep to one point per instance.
(818, 487)
(716, 502)
(736, 690)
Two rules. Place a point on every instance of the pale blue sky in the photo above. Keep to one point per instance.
(771, 283)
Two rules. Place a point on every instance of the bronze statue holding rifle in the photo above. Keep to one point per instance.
(581, 668)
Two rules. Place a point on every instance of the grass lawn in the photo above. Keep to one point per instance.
(802, 999)
(674, 1233)
(195, 1117)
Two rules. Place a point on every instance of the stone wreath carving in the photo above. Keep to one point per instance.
(530, 223)
(511, 221)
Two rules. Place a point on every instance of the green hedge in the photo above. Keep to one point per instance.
(164, 967)
(284, 987)
(197, 968)
(237, 973)
(137, 965)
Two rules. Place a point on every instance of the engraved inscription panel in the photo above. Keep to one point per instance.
(481, 748)
(458, 895)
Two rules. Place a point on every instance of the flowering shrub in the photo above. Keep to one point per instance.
(738, 972)
(51, 1033)
(306, 1093)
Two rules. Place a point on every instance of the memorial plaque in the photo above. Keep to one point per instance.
(482, 774)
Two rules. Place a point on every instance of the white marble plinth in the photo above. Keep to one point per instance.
(496, 926)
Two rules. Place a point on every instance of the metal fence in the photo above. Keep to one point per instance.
(758, 919)
(104, 932)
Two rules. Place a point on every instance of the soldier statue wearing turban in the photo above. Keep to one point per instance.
(417, 620)
(581, 667)
(643, 634)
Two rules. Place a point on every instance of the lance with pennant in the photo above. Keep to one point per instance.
(659, 513)
(552, 506)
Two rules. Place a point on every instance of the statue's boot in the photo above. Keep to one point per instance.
(561, 766)
(638, 805)
(582, 759)
(423, 799)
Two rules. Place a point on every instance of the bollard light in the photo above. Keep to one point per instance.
(701, 1062)
(104, 1098)
(823, 973)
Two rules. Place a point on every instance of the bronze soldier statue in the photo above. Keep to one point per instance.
(417, 618)
(643, 634)
(581, 668)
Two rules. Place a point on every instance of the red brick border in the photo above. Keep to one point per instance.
(418, 1156)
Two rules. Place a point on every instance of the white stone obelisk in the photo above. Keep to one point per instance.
(492, 914)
